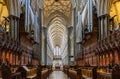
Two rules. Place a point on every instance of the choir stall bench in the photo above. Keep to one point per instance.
(104, 73)
(28, 73)
(89, 72)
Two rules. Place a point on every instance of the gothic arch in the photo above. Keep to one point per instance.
(56, 14)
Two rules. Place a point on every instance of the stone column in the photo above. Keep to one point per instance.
(69, 44)
(45, 45)
(69, 50)
(74, 29)
(11, 26)
(106, 25)
(18, 31)
(39, 45)
(90, 25)
(16, 26)
(99, 20)
(102, 29)
(27, 16)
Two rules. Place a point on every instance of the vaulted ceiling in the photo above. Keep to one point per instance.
(61, 6)
(57, 18)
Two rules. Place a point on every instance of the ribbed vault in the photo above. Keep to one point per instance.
(63, 6)
(56, 17)
(57, 33)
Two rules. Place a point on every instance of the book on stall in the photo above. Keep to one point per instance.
(25, 67)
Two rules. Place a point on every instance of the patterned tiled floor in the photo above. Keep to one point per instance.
(58, 75)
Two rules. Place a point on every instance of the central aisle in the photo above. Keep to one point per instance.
(58, 75)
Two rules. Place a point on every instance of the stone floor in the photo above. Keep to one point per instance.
(58, 75)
